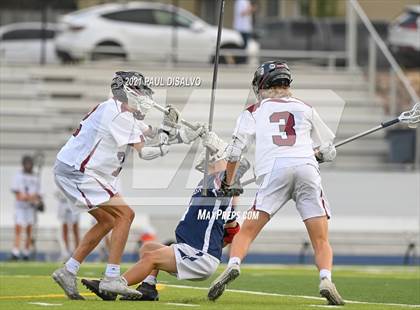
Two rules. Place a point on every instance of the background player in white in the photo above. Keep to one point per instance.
(26, 187)
(87, 170)
(286, 132)
(69, 225)
(199, 238)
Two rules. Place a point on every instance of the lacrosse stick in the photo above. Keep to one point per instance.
(213, 89)
(183, 121)
(39, 160)
(411, 118)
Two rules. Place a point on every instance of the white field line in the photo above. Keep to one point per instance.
(295, 296)
(44, 304)
(235, 291)
(181, 305)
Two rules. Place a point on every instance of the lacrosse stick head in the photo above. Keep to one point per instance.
(411, 117)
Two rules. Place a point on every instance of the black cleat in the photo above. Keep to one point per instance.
(14, 258)
(93, 286)
(149, 292)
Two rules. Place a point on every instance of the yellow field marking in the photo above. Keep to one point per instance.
(41, 296)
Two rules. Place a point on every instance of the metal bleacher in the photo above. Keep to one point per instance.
(40, 105)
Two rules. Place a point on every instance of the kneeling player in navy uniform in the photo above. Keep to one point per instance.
(207, 225)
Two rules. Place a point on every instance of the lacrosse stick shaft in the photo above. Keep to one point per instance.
(367, 132)
(213, 89)
(183, 121)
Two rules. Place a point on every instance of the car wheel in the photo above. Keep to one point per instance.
(108, 50)
(230, 59)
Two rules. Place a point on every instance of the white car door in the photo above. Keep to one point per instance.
(141, 36)
(25, 46)
(20, 45)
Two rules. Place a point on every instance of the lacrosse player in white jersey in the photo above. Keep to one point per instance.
(88, 166)
(26, 187)
(290, 140)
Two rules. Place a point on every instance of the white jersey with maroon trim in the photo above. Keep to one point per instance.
(98, 146)
(284, 128)
(25, 183)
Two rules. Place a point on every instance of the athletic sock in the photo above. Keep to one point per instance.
(16, 252)
(234, 261)
(150, 280)
(325, 273)
(72, 266)
(26, 252)
(112, 270)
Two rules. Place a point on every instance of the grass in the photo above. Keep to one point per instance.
(28, 286)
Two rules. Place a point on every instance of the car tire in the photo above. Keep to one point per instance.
(117, 52)
(230, 59)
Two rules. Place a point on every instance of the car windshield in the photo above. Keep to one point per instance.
(408, 19)
(167, 18)
(150, 16)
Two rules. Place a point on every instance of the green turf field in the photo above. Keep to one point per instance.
(28, 286)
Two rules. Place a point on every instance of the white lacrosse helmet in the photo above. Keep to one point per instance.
(217, 151)
(131, 88)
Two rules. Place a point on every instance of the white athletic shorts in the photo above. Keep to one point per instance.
(85, 192)
(300, 183)
(193, 264)
(66, 215)
(25, 216)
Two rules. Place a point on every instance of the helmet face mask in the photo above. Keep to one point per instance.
(269, 74)
(130, 87)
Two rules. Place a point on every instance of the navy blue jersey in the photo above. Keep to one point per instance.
(202, 225)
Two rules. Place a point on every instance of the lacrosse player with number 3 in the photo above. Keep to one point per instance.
(286, 132)
(88, 165)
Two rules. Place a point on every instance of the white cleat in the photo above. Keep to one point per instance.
(327, 290)
(219, 285)
(117, 285)
(68, 283)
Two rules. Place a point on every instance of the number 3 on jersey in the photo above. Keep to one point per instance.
(287, 135)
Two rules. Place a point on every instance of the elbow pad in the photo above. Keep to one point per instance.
(236, 147)
(152, 152)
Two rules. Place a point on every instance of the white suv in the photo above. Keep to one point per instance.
(140, 30)
(404, 36)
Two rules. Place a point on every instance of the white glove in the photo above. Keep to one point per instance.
(163, 138)
(327, 152)
(171, 118)
(188, 135)
(170, 122)
(212, 141)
